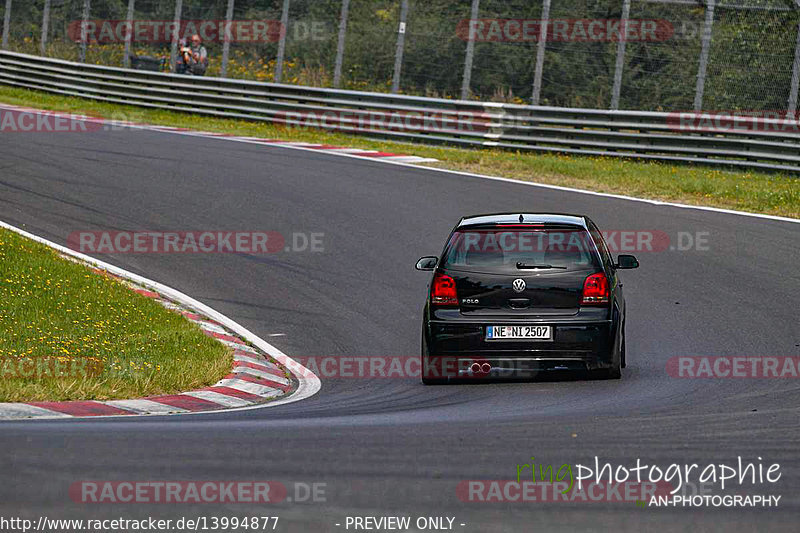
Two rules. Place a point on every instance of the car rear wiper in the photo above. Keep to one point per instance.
(529, 266)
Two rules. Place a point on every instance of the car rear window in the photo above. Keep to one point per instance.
(502, 249)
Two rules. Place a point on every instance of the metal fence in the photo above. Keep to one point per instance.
(756, 143)
(653, 55)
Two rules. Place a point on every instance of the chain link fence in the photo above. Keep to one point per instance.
(648, 55)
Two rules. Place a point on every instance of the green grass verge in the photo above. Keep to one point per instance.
(775, 194)
(69, 333)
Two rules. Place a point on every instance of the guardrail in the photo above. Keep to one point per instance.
(760, 144)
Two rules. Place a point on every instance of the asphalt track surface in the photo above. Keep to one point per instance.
(393, 446)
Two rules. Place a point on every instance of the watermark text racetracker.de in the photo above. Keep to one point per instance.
(498, 490)
(243, 31)
(50, 367)
(193, 492)
(618, 241)
(733, 367)
(731, 121)
(565, 30)
(27, 121)
(162, 31)
(183, 242)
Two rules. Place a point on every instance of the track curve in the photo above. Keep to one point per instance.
(392, 445)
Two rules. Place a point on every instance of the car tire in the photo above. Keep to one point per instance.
(423, 356)
(615, 370)
(434, 381)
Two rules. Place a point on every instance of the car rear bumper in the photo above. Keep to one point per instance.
(574, 345)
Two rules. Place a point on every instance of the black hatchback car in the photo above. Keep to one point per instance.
(514, 294)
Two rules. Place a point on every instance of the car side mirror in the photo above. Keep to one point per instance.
(626, 261)
(427, 263)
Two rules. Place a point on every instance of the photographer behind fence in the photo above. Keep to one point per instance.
(192, 59)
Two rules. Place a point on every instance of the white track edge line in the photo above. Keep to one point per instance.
(541, 185)
(512, 180)
(152, 127)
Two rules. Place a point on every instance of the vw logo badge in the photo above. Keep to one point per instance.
(519, 285)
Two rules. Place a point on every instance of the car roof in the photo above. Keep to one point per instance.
(527, 218)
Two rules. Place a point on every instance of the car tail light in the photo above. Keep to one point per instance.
(443, 290)
(595, 290)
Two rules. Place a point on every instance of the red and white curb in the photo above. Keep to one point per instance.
(326, 148)
(260, 373)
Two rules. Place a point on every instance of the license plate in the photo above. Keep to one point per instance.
(537, 333)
